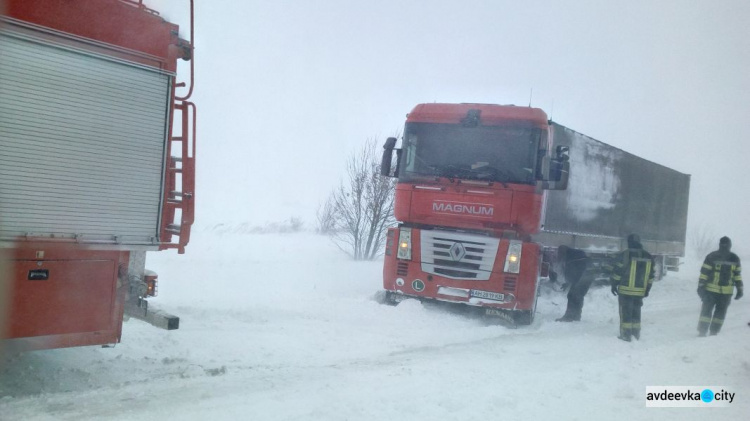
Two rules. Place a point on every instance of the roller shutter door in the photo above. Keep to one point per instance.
(82, 141)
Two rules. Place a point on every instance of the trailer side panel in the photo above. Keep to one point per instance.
(612, 193)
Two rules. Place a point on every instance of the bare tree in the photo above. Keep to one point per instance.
(358, 213)
(702, 240)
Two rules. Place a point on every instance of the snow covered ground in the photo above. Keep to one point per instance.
(285, 327)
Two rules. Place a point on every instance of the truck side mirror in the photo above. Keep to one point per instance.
(561, 165)
(561, 180)
(556, 170)
(385, 164)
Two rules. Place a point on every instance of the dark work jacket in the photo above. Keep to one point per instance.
(633, 272)
(720, 272)
(575, 264)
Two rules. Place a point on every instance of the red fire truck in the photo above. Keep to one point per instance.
(96, 166)
(486, 194)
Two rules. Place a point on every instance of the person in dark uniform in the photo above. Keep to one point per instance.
(631, 280)
(720, 273)
(574, 265)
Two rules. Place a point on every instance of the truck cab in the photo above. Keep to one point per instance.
(470, 192)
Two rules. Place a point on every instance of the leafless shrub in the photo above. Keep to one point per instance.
(326, 218)
(358, 213)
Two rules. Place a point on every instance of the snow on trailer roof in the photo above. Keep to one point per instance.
(551, 122)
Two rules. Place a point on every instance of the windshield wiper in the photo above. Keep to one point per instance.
(454, 171)
(497, 174)
(451, 171)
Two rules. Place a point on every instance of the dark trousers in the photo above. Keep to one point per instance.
(577, 292)
(713, 312)
(630, 315)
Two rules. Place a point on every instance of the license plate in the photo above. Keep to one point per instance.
(496, 296)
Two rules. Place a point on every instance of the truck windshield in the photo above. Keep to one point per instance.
(492, 153)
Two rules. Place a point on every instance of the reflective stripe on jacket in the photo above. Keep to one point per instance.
(721, 272)
(633, 272)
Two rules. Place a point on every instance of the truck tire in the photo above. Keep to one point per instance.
(389, 298)
(659, 267)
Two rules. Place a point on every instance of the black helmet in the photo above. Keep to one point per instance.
(634, 241)
(725, 243)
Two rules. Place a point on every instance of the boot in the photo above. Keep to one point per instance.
(571, 314)
(624, 338)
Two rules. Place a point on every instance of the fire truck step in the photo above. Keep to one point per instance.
(174, 228)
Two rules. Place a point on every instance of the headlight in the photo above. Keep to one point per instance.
(513, 259)
(404, 244)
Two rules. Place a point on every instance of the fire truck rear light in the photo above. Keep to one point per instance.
(404, 244)
(152, 288)
(513, 259)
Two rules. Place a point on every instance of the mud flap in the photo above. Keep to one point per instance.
(503, 317)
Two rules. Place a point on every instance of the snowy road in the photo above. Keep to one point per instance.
(283, 327)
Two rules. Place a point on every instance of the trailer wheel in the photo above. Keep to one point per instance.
(659, 267)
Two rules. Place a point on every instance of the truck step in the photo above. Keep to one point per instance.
(174, 229)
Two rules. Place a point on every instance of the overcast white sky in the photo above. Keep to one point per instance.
(286, 90)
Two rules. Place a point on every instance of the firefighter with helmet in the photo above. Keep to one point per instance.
(631, 280)
(720, 273)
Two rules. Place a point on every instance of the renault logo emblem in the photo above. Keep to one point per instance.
(457, 252)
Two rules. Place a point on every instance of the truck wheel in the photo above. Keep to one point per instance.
(390, 299)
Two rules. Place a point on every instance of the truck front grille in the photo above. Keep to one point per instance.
(458, 255)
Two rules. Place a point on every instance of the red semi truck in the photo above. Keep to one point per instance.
(486, 194)
(96, 166)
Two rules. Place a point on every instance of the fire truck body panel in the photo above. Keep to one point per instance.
(117, 28)
(83, 145)
(96, 165)
(64, 297)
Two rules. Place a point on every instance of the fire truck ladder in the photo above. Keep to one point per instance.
(180, 180)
